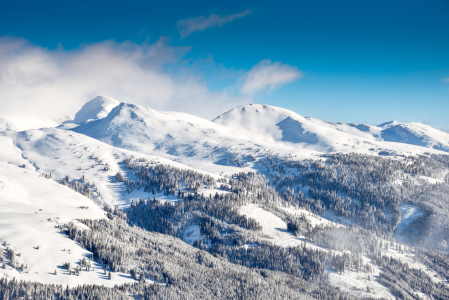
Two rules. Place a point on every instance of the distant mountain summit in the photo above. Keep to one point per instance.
(415, 134)
(280, 124)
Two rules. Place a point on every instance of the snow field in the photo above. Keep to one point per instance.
(31, 209)
(64, 153)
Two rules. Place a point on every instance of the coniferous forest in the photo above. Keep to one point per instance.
(234, 260)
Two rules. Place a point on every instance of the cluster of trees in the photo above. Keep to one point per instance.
(157, 178)
(144, 239)
(435, 260)
(15, 289)
(303, 262)
(169, 218)
(368, 190)
(82, 187)
(406, 282)
(188, 273)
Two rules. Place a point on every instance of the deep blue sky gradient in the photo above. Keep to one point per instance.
(364, 61)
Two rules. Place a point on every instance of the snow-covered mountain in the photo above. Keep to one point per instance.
(97, 108)
(415, 134)
(246, 130)
(278, 124)
(89, 156)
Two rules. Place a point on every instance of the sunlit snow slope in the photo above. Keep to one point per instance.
(31, 208)
(246, 131)
(66, 153)
(97, 108)
(278, 124)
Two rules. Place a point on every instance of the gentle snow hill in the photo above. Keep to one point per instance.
(95, 109)
(25, 122)
(278, 124)
(281, 125)
(66, 153)
(176, 136)
(415, 134)
(30, 209)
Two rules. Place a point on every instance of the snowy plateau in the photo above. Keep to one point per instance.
(126, 202)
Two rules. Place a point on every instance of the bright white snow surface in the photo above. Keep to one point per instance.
(18, 123)
(95, 109)
(66, 153)
(106, 132)
(30, 209)
(408, 214)
(246, 130)
(278, 124)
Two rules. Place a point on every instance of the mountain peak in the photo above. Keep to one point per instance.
(389, 124)
(95, 109)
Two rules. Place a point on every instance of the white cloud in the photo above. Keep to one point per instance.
(446, 79)
(188, 26)
(267, 75)
(39, 82)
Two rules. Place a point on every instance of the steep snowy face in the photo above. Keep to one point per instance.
(95, 109)
(415, 134)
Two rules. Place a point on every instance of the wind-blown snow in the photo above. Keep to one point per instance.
(95, 109)
(278, 124)
(415, 134)
(276, 228)
(105, 132)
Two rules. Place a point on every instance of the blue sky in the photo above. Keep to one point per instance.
(349, 61)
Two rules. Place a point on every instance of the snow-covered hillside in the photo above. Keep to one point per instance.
(32, 209)
(415, 134)
(68, 154)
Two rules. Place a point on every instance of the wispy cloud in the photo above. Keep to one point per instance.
(36, 81)
(267, 75)
(188, 26)
(445, 79)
